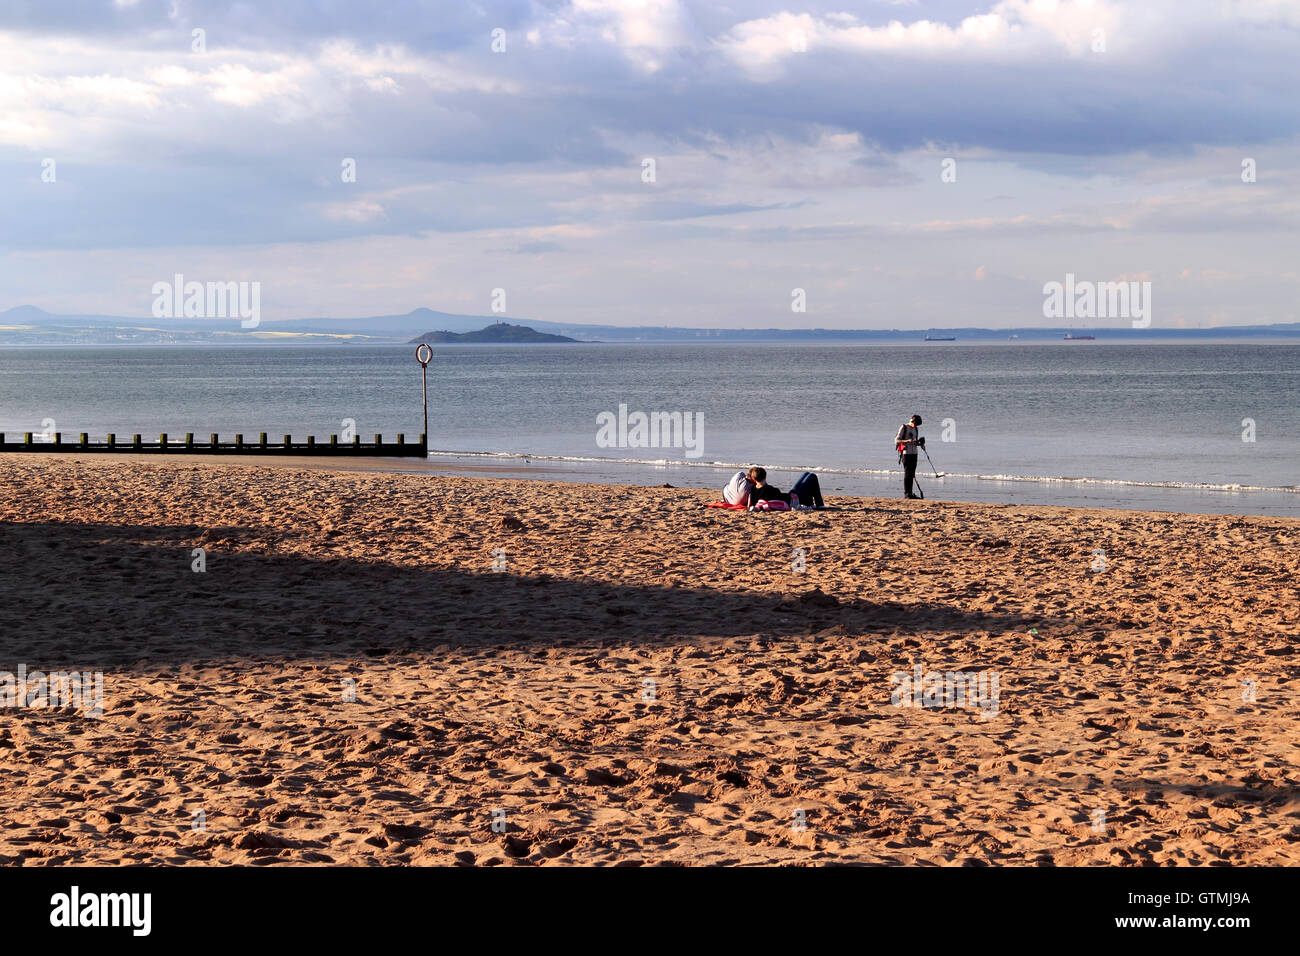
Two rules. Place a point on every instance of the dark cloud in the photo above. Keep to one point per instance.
(467, 139)
(426, 25)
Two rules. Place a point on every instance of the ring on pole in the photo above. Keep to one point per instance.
(422, 355)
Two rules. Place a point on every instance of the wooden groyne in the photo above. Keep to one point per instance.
(166, 445)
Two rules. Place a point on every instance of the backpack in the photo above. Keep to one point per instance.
(901, 447)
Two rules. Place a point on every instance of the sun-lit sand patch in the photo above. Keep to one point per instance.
(394, 668)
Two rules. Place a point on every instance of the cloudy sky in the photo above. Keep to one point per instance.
(794, 144)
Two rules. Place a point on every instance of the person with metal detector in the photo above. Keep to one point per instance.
(907, 442)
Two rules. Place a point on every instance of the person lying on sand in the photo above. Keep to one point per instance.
(763, 491)
(806, 493)
(747, 489)
(808, 490)
(739, 487)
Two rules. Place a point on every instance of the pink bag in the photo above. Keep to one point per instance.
(775, 504)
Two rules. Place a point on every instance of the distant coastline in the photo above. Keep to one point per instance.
(30, 326)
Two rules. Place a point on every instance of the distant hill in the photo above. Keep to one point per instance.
(499, 332)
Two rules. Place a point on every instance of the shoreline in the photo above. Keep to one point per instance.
(1087, 494)
(1047, 491)
(400, 342)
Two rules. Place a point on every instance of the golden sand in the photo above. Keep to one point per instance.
(578, 674)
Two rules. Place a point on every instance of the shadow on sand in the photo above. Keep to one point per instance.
(110, 596)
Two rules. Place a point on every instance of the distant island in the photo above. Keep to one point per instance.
(499, 332)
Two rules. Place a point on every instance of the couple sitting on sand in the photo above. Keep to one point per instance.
(750, 488)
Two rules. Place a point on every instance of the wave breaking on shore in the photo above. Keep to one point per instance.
(861, 472)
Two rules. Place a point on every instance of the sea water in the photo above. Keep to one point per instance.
(1207, 427)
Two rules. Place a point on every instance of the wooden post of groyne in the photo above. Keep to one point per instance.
(53, 442)
(401, 448)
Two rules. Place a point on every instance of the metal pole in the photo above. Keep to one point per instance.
(422, 355)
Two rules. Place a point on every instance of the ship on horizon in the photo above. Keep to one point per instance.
(941, 338)
(1071, 337)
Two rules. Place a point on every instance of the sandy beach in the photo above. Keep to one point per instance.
(381, 668)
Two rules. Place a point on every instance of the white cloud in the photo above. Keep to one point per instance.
(643, 31)
(360, 210)
(645, 24)
(237, 84)
(46, 81)
(1017, 29)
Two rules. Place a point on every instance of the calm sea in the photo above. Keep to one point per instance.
(1157, 427)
